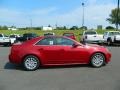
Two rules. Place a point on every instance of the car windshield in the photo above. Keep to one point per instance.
(29, 35)
(12, 36)
(68, 34)
(90, 33)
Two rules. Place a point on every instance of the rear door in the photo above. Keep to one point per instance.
(51, 53)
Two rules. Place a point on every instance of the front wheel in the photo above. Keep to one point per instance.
(31, 63)
(98, 60)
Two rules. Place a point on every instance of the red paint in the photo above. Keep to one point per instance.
(56, 54)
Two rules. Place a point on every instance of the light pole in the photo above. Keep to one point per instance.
(118, 15)
(83, 15)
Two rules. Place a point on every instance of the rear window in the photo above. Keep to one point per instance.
(68, 34)
(114, 33)
(90, 33)
(12, 36)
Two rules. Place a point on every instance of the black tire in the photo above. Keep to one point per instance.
(109, 42)
(31, 63)
(97, 60)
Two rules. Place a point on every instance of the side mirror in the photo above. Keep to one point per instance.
(75, 45)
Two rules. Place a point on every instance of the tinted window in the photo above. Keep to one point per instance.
(46, 41)
(64, 41)
(12, 36)
(1, 35)
(90, 33)
(29, 35)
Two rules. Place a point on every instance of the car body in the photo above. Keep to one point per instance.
(13, 37)
(5, 40)
(92, 37)
(111, 37)
(70, 35)
(56, 50)
(27, 36)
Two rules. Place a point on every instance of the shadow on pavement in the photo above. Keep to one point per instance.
(11, 66)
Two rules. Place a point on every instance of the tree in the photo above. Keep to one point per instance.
(109, 27)
(74, 28)
(113, 18)
(83, 27)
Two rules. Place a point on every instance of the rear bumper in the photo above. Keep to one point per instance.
(14, 59)
(108, 57)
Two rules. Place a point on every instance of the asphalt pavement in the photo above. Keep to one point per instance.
(82, 77)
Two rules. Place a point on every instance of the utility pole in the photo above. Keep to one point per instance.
(117, 27)
(83, 15)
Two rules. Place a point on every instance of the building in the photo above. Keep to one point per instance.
(12, 28)
(47, 28)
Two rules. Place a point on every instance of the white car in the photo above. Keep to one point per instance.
(4, 40)
(13, 38)
(92, 37)
(112, 37)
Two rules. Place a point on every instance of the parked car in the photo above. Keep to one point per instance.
(57, 50)
(27, 36)
(91, 37)
(112, 37)
(49, 34)
(70, 35)
(13, 37)
(5, 40)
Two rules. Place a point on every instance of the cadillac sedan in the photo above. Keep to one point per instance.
(57, 50)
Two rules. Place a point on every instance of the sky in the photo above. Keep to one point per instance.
(68, 13)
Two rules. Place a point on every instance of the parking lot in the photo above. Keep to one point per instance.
(80, 77)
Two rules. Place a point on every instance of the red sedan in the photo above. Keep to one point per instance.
(57, 50)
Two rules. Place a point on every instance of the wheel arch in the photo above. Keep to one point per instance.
(95, 53)
(33, 54)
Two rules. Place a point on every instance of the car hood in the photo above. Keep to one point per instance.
(94, 46)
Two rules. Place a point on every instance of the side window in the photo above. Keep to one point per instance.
(64, 41)
(46, 41)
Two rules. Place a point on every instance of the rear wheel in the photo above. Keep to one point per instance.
(98, 60)
(31, 63)
(109, 42)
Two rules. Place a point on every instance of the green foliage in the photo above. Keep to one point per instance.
(3, 27)
(74, 28)
(109, 27)
(113, 18)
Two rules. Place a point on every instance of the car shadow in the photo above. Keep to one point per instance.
(10, 66)
(65, 67)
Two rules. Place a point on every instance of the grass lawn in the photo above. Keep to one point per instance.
(40, 32)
